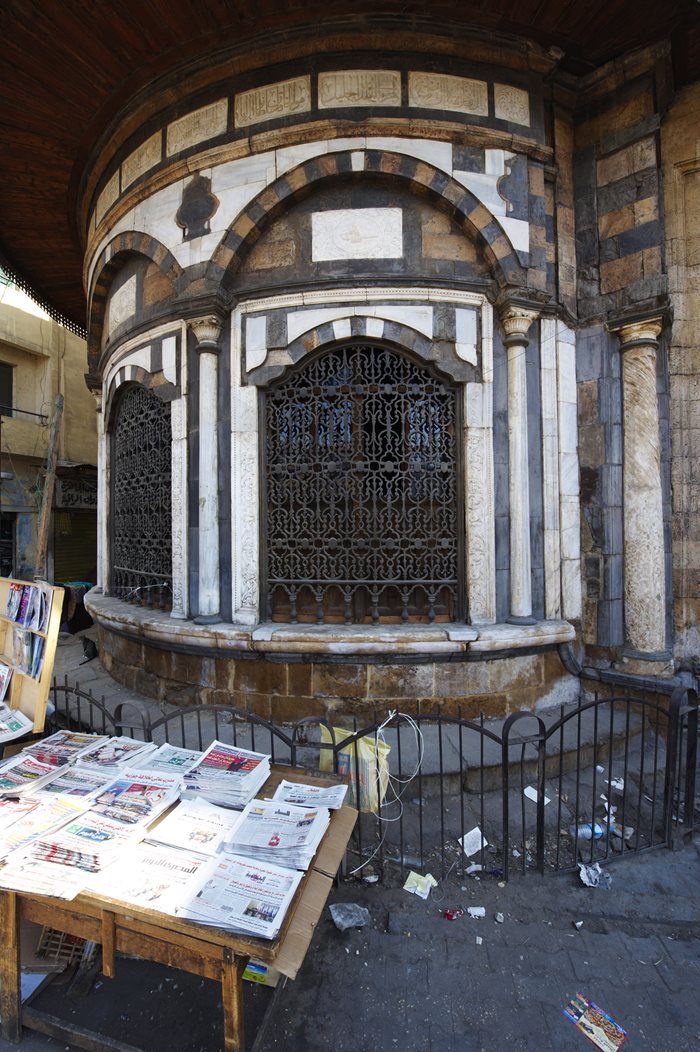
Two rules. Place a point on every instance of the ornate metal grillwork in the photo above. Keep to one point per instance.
(363, 501)
(141, 505)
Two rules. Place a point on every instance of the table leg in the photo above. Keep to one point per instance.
(10, 976)
(232, 996)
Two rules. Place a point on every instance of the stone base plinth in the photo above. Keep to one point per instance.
(284, 673)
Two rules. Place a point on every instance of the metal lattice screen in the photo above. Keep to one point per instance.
(362, 492)
(141, 527)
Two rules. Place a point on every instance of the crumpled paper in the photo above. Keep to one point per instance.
(593, 876)
(420, 885)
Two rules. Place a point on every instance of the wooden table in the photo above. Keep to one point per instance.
(207, 952)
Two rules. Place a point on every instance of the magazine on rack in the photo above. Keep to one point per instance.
(136, 798)
(13, 723)
(154, 876)
(275, 831)
(330, 796)
(115, 754)
(195, 825)
(14, 599)
(64, 746)
(244, 896)
(5, 677)
(21, 648)
(29, 605)
(228, 775)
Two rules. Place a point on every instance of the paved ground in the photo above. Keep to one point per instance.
(414, 981)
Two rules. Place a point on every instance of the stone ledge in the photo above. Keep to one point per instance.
(442, 640)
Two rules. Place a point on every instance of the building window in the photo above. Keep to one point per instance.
(362, 493)
(140, 520)
(6, 389)
(8, 522)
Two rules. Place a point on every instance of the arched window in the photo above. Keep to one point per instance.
(364, 520)
(140, 508)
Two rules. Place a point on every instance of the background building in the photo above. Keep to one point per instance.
(390, 322)
(39, 359)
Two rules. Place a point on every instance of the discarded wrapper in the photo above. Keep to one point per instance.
(420, 885)
(596, 1024)
(476, 911)
(473, 841)
(499, 918)
(532, 794)
(593, 876)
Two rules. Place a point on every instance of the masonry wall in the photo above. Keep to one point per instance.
(680, 138)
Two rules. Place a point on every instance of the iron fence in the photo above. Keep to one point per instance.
(540, 791)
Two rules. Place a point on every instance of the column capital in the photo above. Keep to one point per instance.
(207, 332)
(516, 321)
(638, 333)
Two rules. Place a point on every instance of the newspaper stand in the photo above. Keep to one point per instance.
(29, 693)
(210, 953)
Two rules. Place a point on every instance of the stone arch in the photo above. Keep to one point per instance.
(470, 214)
(370, 327)
(112, 257)
(136, 374)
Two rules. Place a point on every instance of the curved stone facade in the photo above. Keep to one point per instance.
(419, 197)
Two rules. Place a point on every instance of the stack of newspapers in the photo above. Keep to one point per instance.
(64, 747)
(114, 754)
(21, 773)
(227, 775)
(279, 832)
(195, 825)
(91, 842)
(173, 830)
(244, 896)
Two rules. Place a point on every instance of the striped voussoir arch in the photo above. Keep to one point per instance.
(461, 204)
(112, 257)
(360, 328)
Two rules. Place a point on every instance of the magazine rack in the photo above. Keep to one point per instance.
(133, 930)
(25, 692)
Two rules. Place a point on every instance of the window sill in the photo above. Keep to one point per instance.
(224, 639)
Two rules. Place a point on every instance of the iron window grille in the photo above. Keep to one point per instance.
(362, 491)
(141, 479)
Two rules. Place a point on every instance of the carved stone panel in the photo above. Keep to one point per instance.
(511, 104)
(198, 126)
(359, 87)
(282, 99)
(441, 92)
(357, 233)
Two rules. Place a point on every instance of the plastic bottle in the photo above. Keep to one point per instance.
(587, 831)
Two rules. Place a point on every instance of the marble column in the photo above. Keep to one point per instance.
(207, 332)
(644, 576)
(516, 322)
